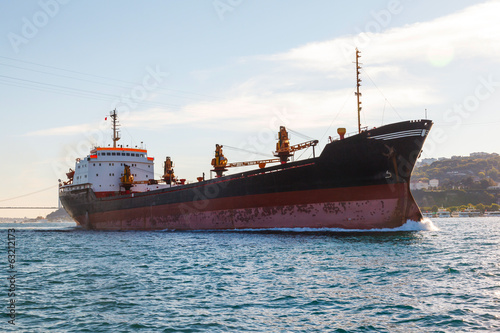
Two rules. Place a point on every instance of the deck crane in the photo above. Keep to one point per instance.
(283, 148)
(283, 152)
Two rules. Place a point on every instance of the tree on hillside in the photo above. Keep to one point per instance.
(467, 182)
(480, 207)
(493, 207)
(485, 183)
(493, 173)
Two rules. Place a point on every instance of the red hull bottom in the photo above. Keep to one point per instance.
(368, 207)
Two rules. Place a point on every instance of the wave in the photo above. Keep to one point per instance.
(424, 225)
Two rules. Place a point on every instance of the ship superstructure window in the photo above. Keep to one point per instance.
(109, 154)
(128, 154)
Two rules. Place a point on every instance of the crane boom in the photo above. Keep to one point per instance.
(303, 145)
(293, 148)
(283, 152)
(263, 162)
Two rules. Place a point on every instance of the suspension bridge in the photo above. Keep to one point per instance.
(24, 207)
(31, 207)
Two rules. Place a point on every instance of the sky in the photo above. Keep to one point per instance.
(186, 75)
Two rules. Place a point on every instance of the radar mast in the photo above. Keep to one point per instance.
(116, 132)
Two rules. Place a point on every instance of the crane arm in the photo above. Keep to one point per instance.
(303, 145)
(240, 164)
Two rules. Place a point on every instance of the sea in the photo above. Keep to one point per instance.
(440, 275)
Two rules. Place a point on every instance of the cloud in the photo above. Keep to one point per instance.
(315, 82)
(463, 34)
(65, 130)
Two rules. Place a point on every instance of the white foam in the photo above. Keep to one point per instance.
(424, 225)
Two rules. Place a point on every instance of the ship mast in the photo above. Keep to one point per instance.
(116, 133)
(357, 93)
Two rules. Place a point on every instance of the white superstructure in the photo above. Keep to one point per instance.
(104, 167)
(116, 170)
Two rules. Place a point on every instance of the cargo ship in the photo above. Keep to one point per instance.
(358, 181)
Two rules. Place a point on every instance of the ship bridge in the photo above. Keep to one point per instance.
(104, 167)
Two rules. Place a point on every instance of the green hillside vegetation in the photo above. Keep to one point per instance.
(478, 171)
(482, 208)
(463, 181)
(456, 200)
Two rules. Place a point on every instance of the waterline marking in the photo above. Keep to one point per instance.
(11, 256)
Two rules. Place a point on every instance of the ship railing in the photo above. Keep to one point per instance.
(363, 129)
(74, 187)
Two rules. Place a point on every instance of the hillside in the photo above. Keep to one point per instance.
(477, 171)
(58, 215)
(462, 180)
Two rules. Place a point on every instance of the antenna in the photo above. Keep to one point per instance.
(357, 93)
(116, 133)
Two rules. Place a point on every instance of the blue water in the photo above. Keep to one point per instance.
(71, 280)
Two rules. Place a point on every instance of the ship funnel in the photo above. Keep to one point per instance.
(341, 131)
